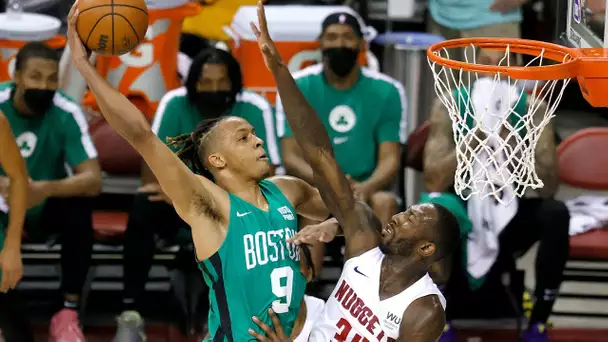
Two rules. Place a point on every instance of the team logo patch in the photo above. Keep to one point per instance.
(27, 143)
(342, 119)
(287, 214)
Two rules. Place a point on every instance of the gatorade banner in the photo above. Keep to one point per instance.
(9, 49)
(147, 73)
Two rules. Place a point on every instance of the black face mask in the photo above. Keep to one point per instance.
(341, 60)
(214, 102)
(38, 100)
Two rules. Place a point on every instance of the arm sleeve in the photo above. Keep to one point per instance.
(393, 122)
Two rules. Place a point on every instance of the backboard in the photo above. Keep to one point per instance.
(587, 24)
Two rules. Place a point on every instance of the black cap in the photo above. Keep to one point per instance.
(345, 19)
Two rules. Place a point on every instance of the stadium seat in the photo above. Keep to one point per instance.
(583, 164)
(414, 152)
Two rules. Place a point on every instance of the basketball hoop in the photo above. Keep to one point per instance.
(496, 123)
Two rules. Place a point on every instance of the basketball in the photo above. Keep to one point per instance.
(112, 27)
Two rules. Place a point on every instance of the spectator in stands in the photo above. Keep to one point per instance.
(213, 88)
(468, 18)
(537, 217)
(363, 111)
(14, 325)
(52, 134)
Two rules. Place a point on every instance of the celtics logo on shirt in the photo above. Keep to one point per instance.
(342, 119)
(27, 143)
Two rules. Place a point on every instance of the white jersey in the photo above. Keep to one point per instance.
(314, 308)
(354, 311)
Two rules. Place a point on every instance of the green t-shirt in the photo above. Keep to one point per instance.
(176, 116)
(264, 268)
(52, 144)
(358, 119)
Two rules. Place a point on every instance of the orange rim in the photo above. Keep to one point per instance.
(567, 59)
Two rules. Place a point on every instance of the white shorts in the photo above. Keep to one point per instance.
(314, 307)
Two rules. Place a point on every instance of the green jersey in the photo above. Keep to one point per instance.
(52, 144)
(255, 268)
(357, 119)
(176, 116)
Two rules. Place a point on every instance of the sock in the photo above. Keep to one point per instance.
(543, 307)
(70, 304)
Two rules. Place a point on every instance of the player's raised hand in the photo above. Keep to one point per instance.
(276, 335)
(77, 50)
(272, 59)
(324, 232)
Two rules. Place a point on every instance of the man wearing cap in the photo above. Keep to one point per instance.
(363, 112)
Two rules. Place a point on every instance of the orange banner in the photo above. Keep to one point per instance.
(9, 49)
(147, 73)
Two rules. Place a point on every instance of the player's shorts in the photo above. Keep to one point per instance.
(314, 307)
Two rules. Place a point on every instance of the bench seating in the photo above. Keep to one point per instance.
(583, 167)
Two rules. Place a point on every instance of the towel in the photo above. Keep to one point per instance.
(587, 213)
(492, 101)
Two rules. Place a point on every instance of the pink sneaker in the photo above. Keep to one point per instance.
(65, 327)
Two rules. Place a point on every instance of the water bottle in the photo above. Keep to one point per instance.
(14, 8)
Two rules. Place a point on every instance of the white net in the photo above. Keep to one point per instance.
(497, 122)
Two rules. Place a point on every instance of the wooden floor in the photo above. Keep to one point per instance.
(160, 333)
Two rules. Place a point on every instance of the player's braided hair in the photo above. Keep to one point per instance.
(191, 143)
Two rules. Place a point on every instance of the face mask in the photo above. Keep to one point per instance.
(214, 102)
(38, 100)
(341, 60)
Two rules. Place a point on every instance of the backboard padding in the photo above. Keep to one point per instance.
(586, 26)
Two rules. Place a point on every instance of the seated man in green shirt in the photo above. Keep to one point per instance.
(53, 138)
(14, 325)
(363, 112)
(213, 88)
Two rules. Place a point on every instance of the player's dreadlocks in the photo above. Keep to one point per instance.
(191, 143)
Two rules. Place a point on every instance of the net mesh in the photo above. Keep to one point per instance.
(497, 122)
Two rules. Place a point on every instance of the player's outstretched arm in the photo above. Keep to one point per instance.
(310, 134)
(14, 166)
(191, 195)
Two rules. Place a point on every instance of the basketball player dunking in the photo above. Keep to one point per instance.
(241, 220)
(384, 292)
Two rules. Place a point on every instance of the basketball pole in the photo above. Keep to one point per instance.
(606, 26)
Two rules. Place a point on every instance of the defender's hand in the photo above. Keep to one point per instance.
(276, 335)
(272, 59)
(324, 232)
(78, 51)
